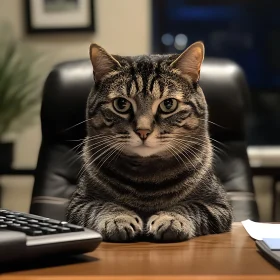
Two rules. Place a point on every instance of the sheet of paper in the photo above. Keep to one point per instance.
(273, 243)
(259, 231)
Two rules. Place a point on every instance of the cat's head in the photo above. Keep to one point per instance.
(147, 105)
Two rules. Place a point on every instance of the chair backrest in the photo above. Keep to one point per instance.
(63, 108)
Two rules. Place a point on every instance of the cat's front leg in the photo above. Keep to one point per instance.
(190, 219)
(169, 226)
(114, 222)
(119, 227)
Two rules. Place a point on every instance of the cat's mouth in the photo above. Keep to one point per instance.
(144, 144)
(144, 149)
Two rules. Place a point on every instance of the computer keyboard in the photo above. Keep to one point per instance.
(25, 236)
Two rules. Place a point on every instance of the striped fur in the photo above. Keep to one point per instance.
(162, 188)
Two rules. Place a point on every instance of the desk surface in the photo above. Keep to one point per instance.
(225, 256)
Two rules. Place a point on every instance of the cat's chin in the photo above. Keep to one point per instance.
(143, 151)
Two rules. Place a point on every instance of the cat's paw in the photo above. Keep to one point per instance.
(121, 227)
(170, 227)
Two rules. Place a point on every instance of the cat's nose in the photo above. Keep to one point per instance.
(143, 133)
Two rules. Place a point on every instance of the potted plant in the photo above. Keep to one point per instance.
(19, 91)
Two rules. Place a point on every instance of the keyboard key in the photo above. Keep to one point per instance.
(48, 230)
(54, 222)
(22, 222)
(10, 216)
(75, 228)
(34, 217)
(33, 221)
(22, 218)
(33, 225)
(25, 229)
(44, 224)
(30, 231)
(13, 213)
(14, 226)
(61, 229)
(35, 232)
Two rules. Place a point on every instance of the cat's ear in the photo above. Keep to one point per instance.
(102, 62)
(189, 62)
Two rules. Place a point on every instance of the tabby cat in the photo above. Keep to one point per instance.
(148, 170)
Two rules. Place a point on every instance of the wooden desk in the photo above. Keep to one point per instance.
(226, 256)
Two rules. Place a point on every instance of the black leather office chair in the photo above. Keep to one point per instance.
(64, 100)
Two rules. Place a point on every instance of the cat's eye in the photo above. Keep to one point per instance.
(121, 105)
(168, 105)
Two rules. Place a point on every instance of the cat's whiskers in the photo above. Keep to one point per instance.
(93, 138)
(107, 144)
(112, 147)
(115, 151)
(84, 140)
(216, 149)
(194, 148)
(202, 141)
(75, 148)
(117, 154)
(90, 138)
(222, 144)
(97, 137)
(212, 123)
(88, 163)
(198, 141)
(178, 153)
(175, 155)
(99, 143)
(187, 142)
(71, 127)
(187, 148)
(101, 139)
(190, 149)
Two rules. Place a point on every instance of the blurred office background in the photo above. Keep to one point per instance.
(245, 31)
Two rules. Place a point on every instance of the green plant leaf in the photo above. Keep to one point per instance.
(21, 76)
